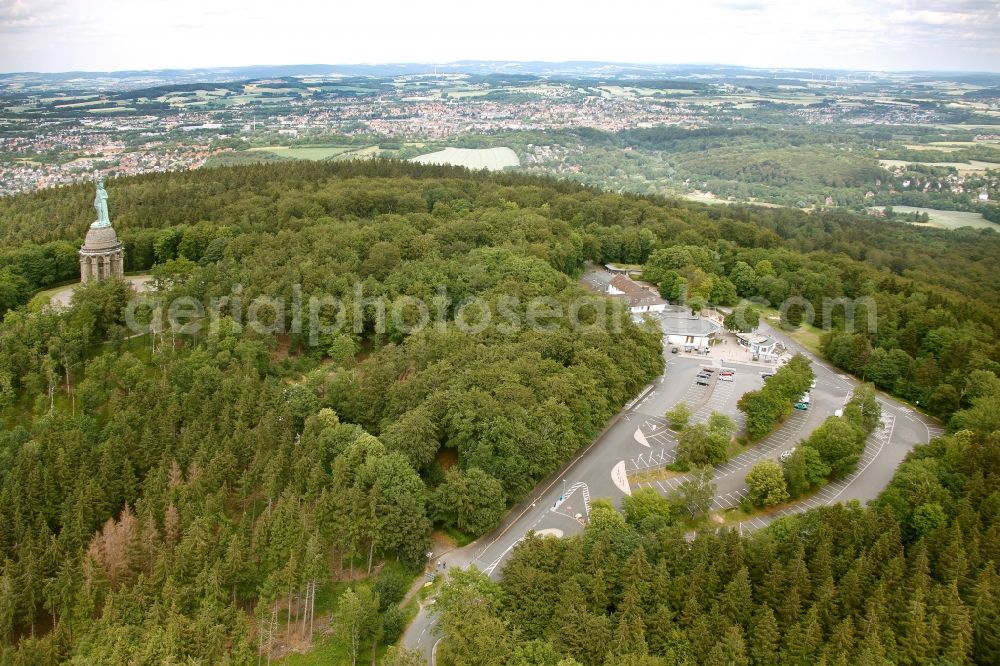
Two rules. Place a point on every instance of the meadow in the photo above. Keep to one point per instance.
(948, 219)
(972, 166)
(318, 152)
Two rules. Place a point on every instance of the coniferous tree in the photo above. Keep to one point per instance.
(764, 637)
(630, 628)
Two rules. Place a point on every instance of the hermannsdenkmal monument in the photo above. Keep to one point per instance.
(101, 255)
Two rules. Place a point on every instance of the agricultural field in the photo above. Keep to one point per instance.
(366, 152)
(305, 152)
(465, 93)
(493, 159)
(972, 166)
(628, 91)
(948, 219)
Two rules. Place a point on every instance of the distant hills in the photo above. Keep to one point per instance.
(127, 79)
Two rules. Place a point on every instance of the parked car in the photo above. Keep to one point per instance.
(727, 378)
(805, 398)
(708, 369)
(813, 385)
(701, 381)
(766, 375)
(801, 405)
(673, 350)
(785, 455)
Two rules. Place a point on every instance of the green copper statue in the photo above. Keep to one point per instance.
(101, 204)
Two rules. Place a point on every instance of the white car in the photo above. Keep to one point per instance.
(804, 399)
(813, 385)
(785, 455)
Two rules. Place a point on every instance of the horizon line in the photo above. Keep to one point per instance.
(454, 63)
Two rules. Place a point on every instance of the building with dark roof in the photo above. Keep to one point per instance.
(639, 298)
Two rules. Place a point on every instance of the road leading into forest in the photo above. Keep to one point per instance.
(638, 439)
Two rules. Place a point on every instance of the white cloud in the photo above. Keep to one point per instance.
(26, 15)
(130, 34)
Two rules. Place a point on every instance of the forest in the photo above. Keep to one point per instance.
(189, 494)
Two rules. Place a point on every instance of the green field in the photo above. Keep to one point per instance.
(459, 94)
(972, 166)
(113, 109)
(78, 105)
(806, 335)
(367, 151)
(948, 219)
(318, 152)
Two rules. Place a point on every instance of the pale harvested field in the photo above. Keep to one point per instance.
(493, 159)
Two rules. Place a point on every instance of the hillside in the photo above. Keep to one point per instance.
(178, 483)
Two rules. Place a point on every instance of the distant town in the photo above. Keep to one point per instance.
(808, 139)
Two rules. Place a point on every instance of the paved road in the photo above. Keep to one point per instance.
(638, 439)
(63, 297)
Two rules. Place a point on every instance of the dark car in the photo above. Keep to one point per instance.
(674, 350)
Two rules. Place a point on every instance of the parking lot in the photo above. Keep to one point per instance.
(828, 395)
(726, 395)
(730, 477)
(832, 492)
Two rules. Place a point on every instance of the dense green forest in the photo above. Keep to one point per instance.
(162, 494)
(166, 496)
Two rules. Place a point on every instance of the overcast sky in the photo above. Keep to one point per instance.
(61, 35)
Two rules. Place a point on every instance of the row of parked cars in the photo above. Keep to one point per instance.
(803, 403)
(725, 375)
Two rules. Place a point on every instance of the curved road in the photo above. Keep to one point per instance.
(637, 439)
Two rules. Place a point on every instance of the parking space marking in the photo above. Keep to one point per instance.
(717, 403)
